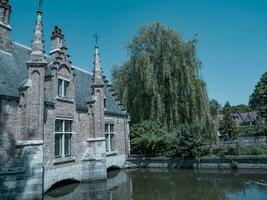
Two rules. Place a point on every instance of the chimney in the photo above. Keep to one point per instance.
(5, 28)
(57, 39)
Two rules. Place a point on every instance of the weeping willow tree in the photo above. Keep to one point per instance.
(161, 80)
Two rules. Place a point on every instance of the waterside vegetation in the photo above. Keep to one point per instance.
(171, 115)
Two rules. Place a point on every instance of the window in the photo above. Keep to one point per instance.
(63, 133)
(0, 105)
(1, 124)
(63, 88)
(105, 103)
(109, 136)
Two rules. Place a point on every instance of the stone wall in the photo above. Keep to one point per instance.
(119, 156)
(121, 134)
(115, 187)
(22, 176)
(227, 162)
(87, 161)
(5, 44)
(9, 128)
(58, 169)
(116, 160)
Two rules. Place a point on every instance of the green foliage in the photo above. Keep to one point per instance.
(189, 141)
(255, 130)
(215, 107)
(227, 150)
(224, 150)
(227, 126)
(154, 139)
(151, 138)
(240, 108)
(161, 80)
(258, 99)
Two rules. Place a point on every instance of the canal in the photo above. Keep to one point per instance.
(169, 184)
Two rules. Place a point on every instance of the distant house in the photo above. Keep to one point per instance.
(245, 119)
(241, 119)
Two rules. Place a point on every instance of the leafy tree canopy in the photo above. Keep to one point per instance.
(258, 99)
(215, 107)
(228, 127)
(240, 108)
(161, 80)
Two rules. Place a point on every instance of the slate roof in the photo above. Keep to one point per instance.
(13, 71)
(245, 117)
(238, 117)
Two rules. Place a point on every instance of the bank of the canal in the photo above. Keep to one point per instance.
(217, 162)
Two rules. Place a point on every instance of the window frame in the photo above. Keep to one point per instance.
(63, 139)
(61, 88)
(110, 137)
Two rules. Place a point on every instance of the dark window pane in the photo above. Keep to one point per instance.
(59, 125)
(112, 142)
(58, 145)
(66, 89)
(105, 103)
(106, 128)
(67, 145)
(111, 128)
(107, 142)
(68, 124)
(60, 82)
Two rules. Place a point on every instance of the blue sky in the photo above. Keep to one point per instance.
(232, 34)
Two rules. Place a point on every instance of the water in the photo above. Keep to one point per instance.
(164, 184)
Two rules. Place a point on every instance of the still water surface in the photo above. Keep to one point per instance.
(164, 184)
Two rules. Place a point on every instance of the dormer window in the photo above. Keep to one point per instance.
(63, 88)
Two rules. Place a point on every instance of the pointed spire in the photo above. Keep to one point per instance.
(97, 63)
(37, 51)
(97, 72)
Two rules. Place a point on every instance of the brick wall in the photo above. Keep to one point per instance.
(21, 177)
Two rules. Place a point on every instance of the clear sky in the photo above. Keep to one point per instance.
(232, 34)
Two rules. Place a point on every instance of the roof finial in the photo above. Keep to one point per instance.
(40, 4)
(96, 37)
(97, 72)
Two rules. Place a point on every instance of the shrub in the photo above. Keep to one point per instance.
(256, 130)
(225, 150)
(154, 139)
(151, 138)
(189, 142)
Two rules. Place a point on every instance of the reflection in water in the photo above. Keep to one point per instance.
(166, 184)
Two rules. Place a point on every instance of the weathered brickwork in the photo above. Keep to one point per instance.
(113, 188)
(5, 29)
(22, 176)
(40, 90)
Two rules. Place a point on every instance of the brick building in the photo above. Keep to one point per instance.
(58, 121)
